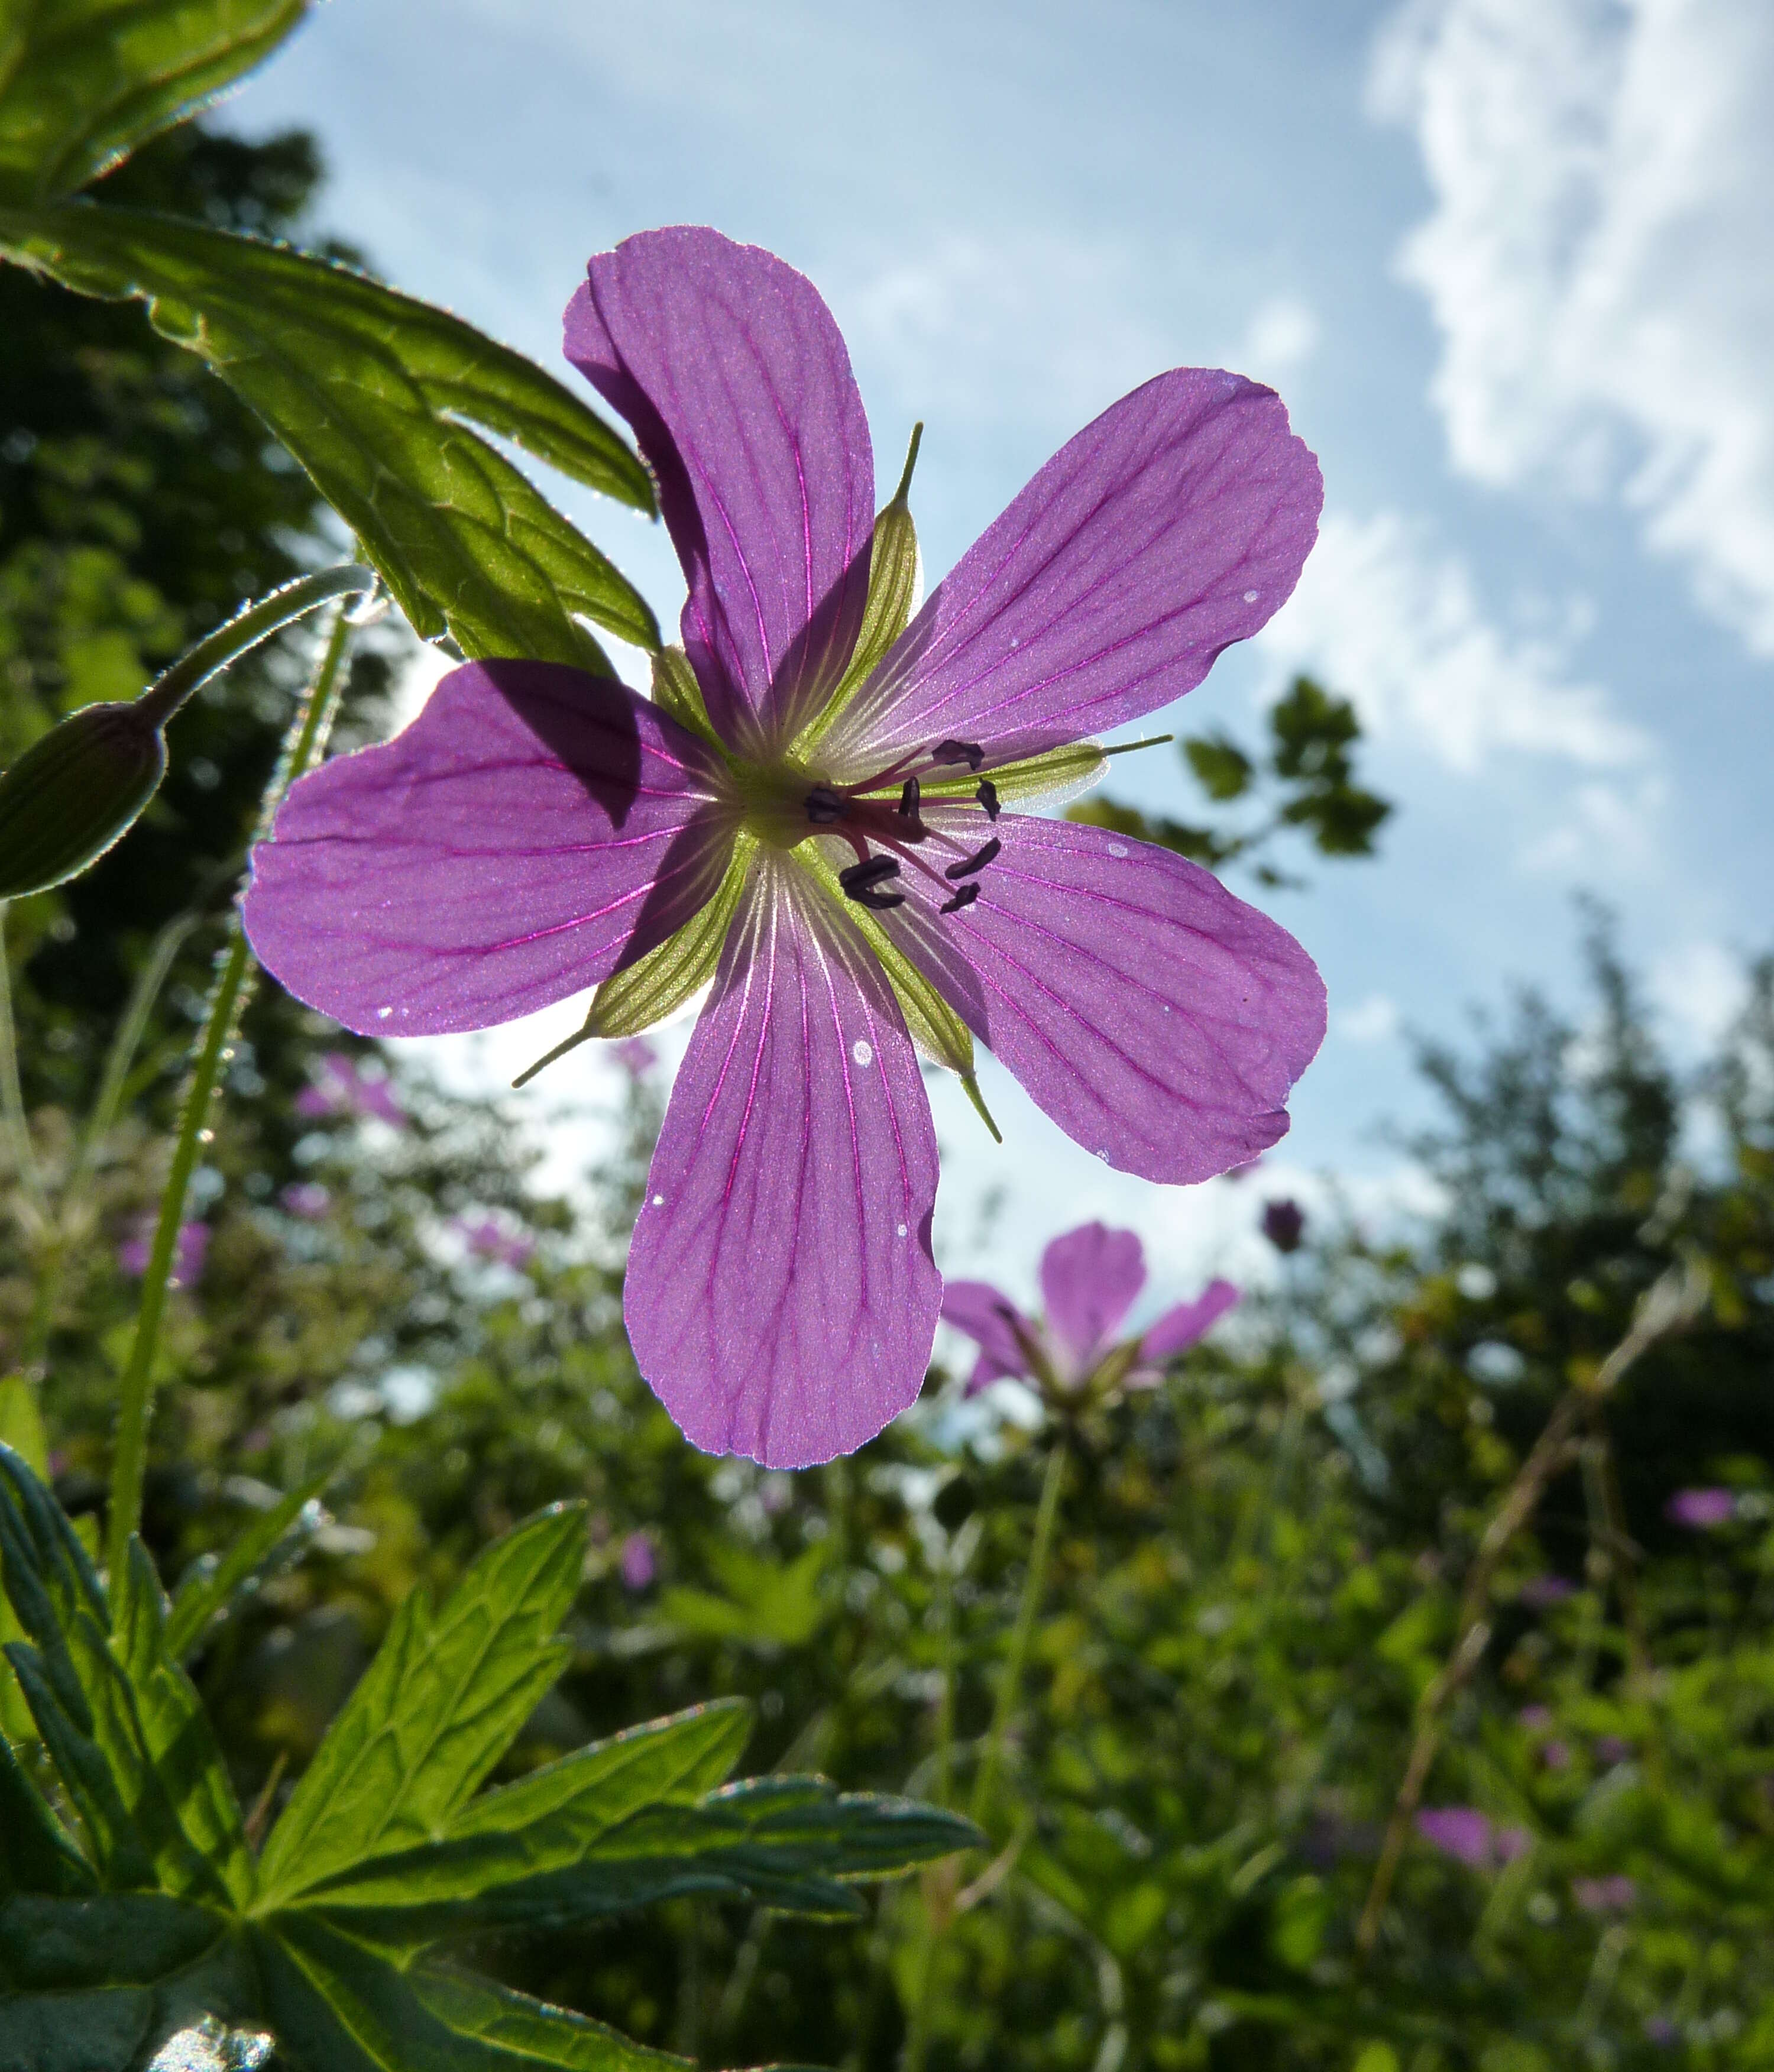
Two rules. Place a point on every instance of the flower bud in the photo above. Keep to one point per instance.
(74, 792)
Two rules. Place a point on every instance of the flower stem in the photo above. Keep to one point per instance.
(1009, 1690)
(12, 1098)
(303, 745)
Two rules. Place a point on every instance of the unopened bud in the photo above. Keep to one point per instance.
(74, 792)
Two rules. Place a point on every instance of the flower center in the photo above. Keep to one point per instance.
(882, 820)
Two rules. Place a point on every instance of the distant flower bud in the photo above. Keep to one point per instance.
(75, 792)
(1284, 1225)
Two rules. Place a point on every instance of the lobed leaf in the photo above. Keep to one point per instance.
(439, 1706)
(375, 394)
(83, 82)
(205, 1592)
(339, 2005)
(36, 1855)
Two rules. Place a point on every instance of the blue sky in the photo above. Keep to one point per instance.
(1508, 261)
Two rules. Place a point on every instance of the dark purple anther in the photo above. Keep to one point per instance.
(966, 897)
(862, 881)
(977, 862)
(909, 796)
(987, 796)
(824, 805)
(968, 752)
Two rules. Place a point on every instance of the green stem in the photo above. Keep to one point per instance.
(12, 1098)
(246, 629)
(303, 746)
(1009, 1690)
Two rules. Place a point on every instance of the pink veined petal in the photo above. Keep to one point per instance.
(736, 380)
(1178, 1329)
(781, 1296)
(1173, 525)
(991, 1320)
(1089, 1278)
(533, 829)
(1158, 1019)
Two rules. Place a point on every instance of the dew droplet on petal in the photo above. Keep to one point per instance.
(1117, 849)
(899, 1230)
(659, 1201)
(1250, 597)
(862, 1053)
(382, 1013)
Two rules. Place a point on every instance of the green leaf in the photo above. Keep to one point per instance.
(677, 691)
(1221, 767)
(374, 394)
(339, 2005)
(207, 1591)
(1199, 845)
(780, 1606)
(36, 1855)
(1313, 730)
(658, 984)
(894, 585)
(83, 82)
(440, 1703)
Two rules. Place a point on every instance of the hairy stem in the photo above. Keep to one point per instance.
(1009, 1690)
(303, 745)
(12, 1098)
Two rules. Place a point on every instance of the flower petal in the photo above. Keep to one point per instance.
(781, 1297)
(1178, 1329)
(737, 382)
(1089, 1278)
(1157, 1019)
(534, 828)
(1174, 525)
(991, 1320)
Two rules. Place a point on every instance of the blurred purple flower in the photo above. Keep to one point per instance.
(489, 1239)
(637, 1562)
(1465, 1832)
(1284, 1225)
(637, 1056)
(339, 1087)
(539, 829)
(306, 1199)
(1604, 1895)
(190, 1249)
(1540, 1593)
(1611, 1747)
(1555, 1755)
(1700, 1510)
(1660, 2029)
(1535, 1718)
(1090, 1279)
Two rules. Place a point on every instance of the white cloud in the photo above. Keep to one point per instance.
(1600, 259)
(1374, 1020)
(1397, 625)
(1701, 987)
(1283, 334)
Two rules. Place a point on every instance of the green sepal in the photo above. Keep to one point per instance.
(932, 1023)
(894, 586)
(83, 82)
(1057, 775)
(74, 792)
(375, 394)
(677, 693)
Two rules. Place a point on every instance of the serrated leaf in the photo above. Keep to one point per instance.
(779, 1605)
(206, 1593)
(435, 1710)
(1221, 768)
(339, 2005)
(375, 393)
(64, 1944)
(177, 1736)
(658, 984)
(83, 82)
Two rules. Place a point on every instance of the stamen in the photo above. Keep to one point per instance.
(969, 864)
(862, 881)
(968, 752)
(824, 807)
(966, 897)
(987, 796)
(909, 796)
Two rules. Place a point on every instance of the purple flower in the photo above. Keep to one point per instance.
(190, 1249)
(1284, 1225)
(1465, 1832)
(1089, 1280)
(637, 1562)
(1660, 2029)
(489, 1239)
(340, 1088)
(1604, 1895)
(1535, 1718)
(1540, 1593)
(306, 1199)
(1611, 1747)
(838, 842)
(1700, 1510)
